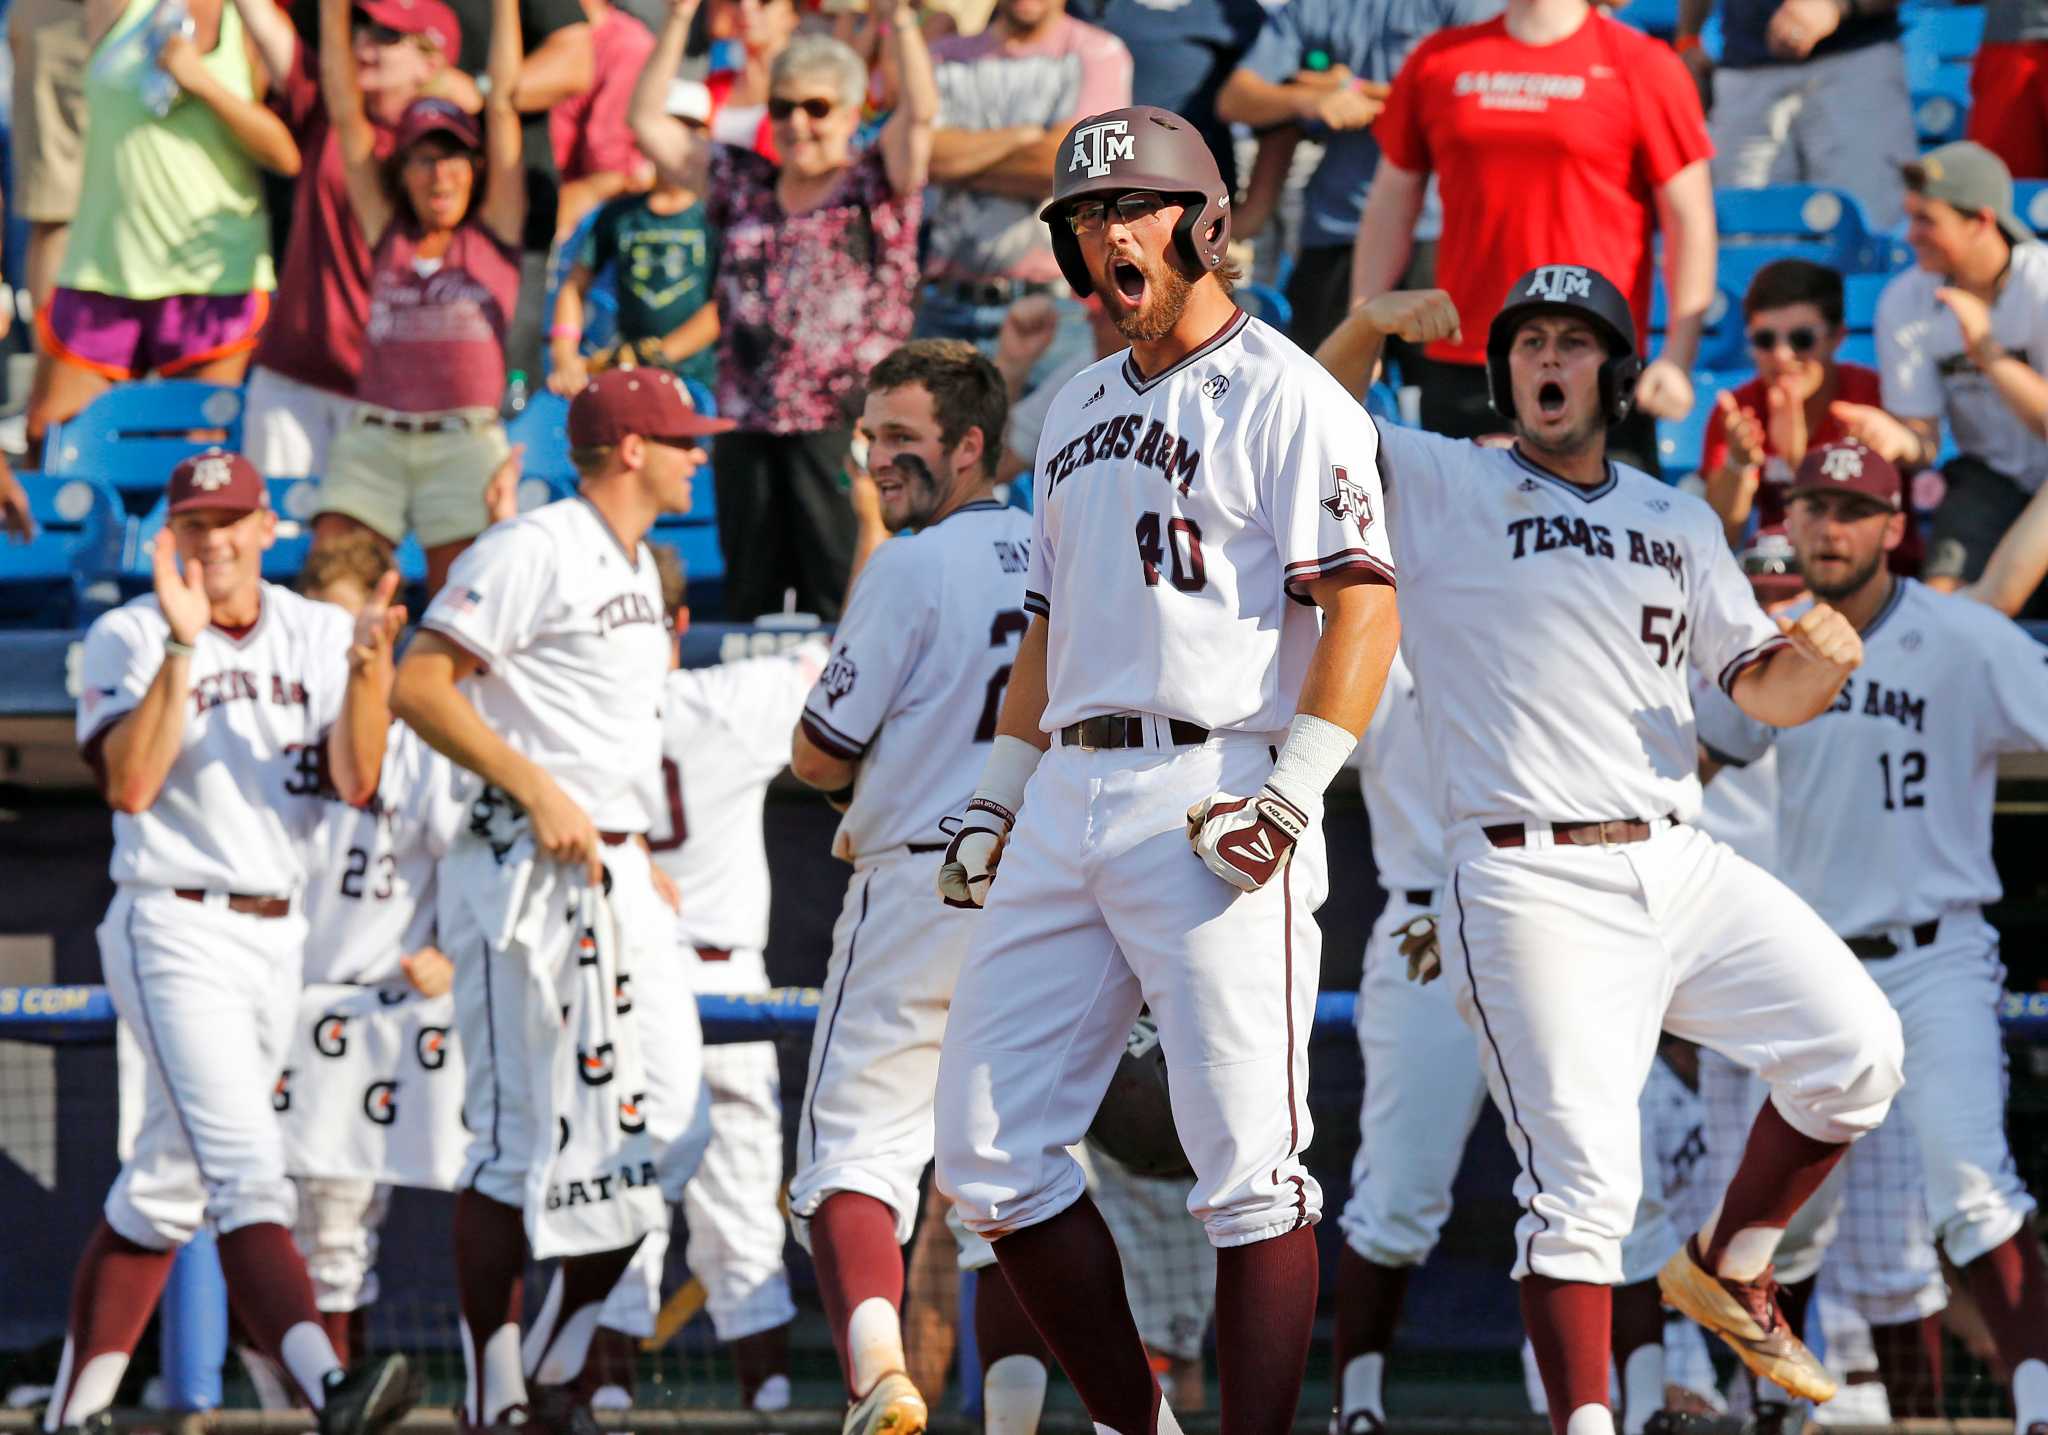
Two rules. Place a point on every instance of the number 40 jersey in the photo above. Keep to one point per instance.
(918, 668)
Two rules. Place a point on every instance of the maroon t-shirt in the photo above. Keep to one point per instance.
(315, 332)
(437, 341)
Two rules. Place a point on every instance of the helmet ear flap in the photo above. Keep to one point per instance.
(1066, 248)
(1618, 387)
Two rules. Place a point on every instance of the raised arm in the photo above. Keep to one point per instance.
(907, 137)
(2021, 387)
(1685, 215)
(257, 128)
(1416, 316)
(353, 133)
(138, 751)
(355, 744)
(1387, 232)
(1797, 682)
(504, 206)
(2019, 562)
(678, 154)
(270, 29)
(561, 67)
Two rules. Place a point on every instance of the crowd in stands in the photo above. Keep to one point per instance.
(398, 221)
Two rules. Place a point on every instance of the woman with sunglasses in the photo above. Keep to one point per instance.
(442, 212)
(817, 271)
(1760, 430)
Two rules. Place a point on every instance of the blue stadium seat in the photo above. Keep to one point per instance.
(1941, 106)
(1653, 17)
(703, 560)
(1721, 340)
(1858, 349)
(2030, 202)
(1263, 301)
(600, 305)
(133, 435)
(1940, 36)
(65, 577)
(1793, 221)
(1860, 294)
(543, 426)
(1678, 444)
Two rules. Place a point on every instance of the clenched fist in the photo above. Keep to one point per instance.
(1414, 316)
(1245, 840)
(1825, 638)
(972, 855)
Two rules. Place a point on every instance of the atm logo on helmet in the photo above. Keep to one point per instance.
(1097, 147)
(1556, 283)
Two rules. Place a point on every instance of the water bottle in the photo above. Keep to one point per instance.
(159, 90)
(516, 394)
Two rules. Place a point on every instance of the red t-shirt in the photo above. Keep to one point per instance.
(1546, 154)
(437, 341)
(315, 332)
(589, 131)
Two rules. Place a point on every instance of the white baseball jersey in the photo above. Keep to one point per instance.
(370, 890)
(919, 664)
(724, 735)
(1177, 520)
(230, 817)
(1400, 797)
(1550, 629)
(1885, 799)
(571, 632)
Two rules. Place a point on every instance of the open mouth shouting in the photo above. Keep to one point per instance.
(1129, 282)
(1550, 399)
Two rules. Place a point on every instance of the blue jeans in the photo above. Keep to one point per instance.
(942, 317)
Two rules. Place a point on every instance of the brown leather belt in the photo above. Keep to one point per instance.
(1614, 833)
(919, 848)
(1420, 896)
(242, 902)
(614, 839)
(714, 954)
(1116, 730)
(430, 423)
(1868, 947)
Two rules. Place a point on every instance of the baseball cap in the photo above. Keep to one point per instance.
(650, 402)
(1848, 467)
(1970, 178)
(432, 18)
(217, 479)
(689, 100)
(429, 117)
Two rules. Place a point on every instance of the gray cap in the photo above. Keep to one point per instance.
(1968, 177)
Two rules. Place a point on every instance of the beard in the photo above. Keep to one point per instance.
(1166, 299)
(922, 492)
(1858, 576)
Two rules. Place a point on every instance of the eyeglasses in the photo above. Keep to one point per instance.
(1799, 341)
(382, 34)
(1090, 215)
(817, 107)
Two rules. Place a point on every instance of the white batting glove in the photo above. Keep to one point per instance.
(1245, 840)
(972, 855)
(1419, 945)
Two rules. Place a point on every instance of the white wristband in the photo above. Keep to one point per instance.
(1011, 761)
(1310, 758)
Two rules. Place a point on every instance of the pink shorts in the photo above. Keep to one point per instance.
(127, 338)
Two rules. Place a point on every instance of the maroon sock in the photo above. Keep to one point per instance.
(267, 1278)
(757, 1357)
(1779, 1170)
(1069, 1279)
(1568, 1324)
(2011, 1287)
(853, 1246)
(1638, 1320)
(613, 1360)
(1369, 1297)
(339, 1325)
(490, 1263)
(1794, 1301)
(1265, 1313)
(585, 1282)
(112, 1297)
(1000, 1326)
(1909, 1364)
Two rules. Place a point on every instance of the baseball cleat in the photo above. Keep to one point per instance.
(369, 1399)
(1745, 1315)
(1679, 1422)
(1773, 1417)
(561, 1410)
(1364, 1422)
(892, 1406)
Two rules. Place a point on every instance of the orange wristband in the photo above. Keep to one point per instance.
(1685, 44)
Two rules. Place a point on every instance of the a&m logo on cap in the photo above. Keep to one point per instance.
(1097, 147)
(1843, 465)
(212, 471)
(1559, 282)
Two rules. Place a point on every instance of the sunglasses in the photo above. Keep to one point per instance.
(817, 107)
(1799, 341)
(1090, 215)
(382, 34)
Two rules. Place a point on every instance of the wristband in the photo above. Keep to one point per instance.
(565, 331)
(175, 649)
(1685, 44)
(1011, 761)
(1310, 758)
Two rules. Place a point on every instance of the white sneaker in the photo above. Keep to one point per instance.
(891, 1407)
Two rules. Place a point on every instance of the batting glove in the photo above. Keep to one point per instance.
(972, 855)
(1419, 945)
(1246, 840)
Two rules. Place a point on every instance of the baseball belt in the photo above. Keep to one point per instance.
(431, 423)
(1869, 947)
(243, 902)
(1419, 896)
(1614, 833)
(1118, 730)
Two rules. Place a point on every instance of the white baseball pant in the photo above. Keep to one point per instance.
(1567, 963)
(340, 1221)
(208, 994)
(1101, 907)
(733, 1207)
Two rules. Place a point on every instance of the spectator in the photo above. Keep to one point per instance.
(1006, 98)
(15, 517)
(817, 271)
(1190, 49)
(758, 31)
(1324, 66)
(594, 147)
(1559, 135)
(167, 268)
(303, 384)
(442, 216)
(1807, 92)
(663, 251)
(2009, 86)
(1959, 337)
(50, 54)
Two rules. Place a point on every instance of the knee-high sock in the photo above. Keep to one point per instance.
(112, 1296)
(1909, 1362)
(853, 1246)
(1569, 1324)
(266, 1278)
(1265, 1313)
(1779, 1170)
(1369, 1297)
(1638, 1339)
(1014, 1360)
(1068, 1278)
(758, 1357)
(490, 1261)
(559, 1342)
(2011, 1287)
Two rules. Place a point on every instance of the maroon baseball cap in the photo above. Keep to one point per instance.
(217, 479)
(650, 402)
(431, 18)
(1847, 466)
(431, 117)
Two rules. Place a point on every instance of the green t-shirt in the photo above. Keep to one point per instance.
(664, 267)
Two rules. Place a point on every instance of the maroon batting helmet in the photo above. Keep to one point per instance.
(1142, 147)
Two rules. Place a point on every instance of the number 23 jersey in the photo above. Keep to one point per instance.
(1178, 521)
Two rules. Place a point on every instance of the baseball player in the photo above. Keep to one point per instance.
(1200, 501)
(1906, 759)
(1554, 602)
(539, 669)
(210, 709)
(896, 727)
